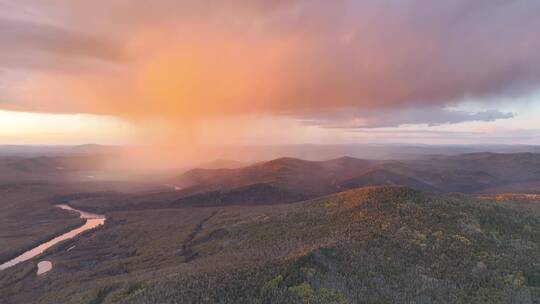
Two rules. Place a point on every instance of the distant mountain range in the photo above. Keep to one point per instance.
(287, 179)
(52, 150)
(255, 153)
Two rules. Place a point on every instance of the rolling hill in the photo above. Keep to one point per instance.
(375, 245)
(468, 173)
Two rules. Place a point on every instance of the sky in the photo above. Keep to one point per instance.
(234, 72)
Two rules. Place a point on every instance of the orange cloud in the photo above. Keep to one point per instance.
(183, 62)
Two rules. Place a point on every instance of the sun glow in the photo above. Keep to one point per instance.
(39, 128)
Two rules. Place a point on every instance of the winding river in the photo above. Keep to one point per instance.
(92, 221)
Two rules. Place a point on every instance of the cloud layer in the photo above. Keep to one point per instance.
(396, 117)
(307, 59)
